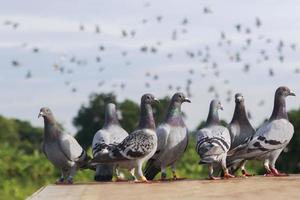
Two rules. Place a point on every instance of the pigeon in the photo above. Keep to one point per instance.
(240, 131)
(213, 141)
(61, 149)
(172, 137)
(137, 148)
(111, 133)
(272, 137)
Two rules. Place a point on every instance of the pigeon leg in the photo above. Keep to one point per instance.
(273, 159)
(269, 172)
(173, 167)
(226, 173)
(163, 174)
(140, 173)
(277, 173)
(119, 177)
(132, 172)
(244, 171)
(211, 173)
(71, 175)
(61, 179)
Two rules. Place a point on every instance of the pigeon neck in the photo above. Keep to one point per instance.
(279, 110)
(111, 118)
(50, 130)
(213, 117)
(146, 118)
(239, 115)
(174, 116)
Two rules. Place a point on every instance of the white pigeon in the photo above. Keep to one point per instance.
(111, 134)
(137, 147)
(172, 137)
(272, 137)
(213, 141)
(61, 149)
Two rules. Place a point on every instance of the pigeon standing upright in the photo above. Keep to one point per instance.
(240, 131)
(61, 149)
(272, 137)
(111, 133)
(172, 137)
(213, 141)
(137, 147)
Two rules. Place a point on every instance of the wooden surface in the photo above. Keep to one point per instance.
(258, 187)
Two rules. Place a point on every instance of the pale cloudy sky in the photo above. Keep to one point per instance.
(53, 27)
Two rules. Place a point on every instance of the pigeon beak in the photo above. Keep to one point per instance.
(187, 100)
(156, 100)
(41, 114)
(239, 98)
(221, 107)
(292, 94)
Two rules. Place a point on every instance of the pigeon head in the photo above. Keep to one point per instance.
(240, 115)
(148, 99)
(146, 118)
(213, 116)
(179, 97)
(284, 92)
(216, 105)
(47, 114)
(111, 115)
(279, 109)
(239, 98)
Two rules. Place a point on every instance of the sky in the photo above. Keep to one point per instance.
(53, 27)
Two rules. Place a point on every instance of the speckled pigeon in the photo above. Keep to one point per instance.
(241, 132)
(172, 138)
(213, 141)
(111, 134)
(272, 137)
(61, 149)
(136, 148)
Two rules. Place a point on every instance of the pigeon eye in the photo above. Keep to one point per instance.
(180, 96)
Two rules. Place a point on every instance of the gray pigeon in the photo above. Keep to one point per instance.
(111, 133)
(172, 137)
(213, 141)
(272, 137)
(137, 147)
(61, 149)
(240, 131)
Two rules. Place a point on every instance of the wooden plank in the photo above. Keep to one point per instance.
(252, 188)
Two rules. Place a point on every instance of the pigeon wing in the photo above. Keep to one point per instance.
(70, 147)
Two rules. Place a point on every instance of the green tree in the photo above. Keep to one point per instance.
(129, 115)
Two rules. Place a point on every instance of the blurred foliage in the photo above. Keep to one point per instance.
(24, 168)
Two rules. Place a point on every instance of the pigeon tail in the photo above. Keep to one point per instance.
(83, 161)
(151, 171)
(209, 149)
(110, 154)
